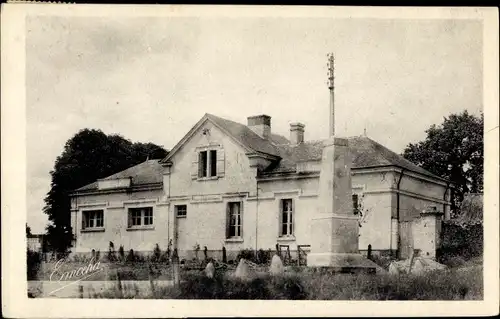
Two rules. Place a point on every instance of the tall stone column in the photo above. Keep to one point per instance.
(334, 226)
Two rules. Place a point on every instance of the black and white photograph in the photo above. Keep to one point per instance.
(285, 156)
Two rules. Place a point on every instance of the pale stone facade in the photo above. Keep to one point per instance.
(240, 201)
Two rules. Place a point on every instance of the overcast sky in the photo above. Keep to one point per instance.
(152, 79)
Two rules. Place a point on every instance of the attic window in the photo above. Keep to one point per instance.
(207, 163)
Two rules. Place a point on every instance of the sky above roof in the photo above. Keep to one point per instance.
(151, 79)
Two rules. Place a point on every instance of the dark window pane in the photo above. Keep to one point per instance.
(355, 202)
(203, 164)
(283, 229)
(285, 219)
(213, 163)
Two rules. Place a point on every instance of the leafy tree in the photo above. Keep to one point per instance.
(87, 156)
(453, 150)
(28, 230)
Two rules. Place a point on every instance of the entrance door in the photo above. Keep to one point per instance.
(180, 231)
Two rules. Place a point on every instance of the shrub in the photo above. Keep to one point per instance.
(131, 256)
(156, 253)
(121, 253)
(247, 254)
(111, 252)
(465, 242)
(263, 257)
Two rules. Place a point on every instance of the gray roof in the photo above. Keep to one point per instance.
(148, 172)
(365, 153)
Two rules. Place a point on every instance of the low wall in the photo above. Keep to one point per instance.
(93, 289)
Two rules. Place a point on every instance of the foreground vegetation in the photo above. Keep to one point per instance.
(454, 284)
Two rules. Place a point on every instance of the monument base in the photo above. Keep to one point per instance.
(340, 262)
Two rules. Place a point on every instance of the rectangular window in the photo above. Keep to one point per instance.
(286, 213)
(355, 203)
(93, 219)
(140, 216)
(235, 221)
(181, 210)
(207, 163)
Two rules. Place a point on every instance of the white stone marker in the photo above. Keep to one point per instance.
(210, 270)
(276, 267)
(334, 227)
(242, 270)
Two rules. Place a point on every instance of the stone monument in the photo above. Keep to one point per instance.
(334, 226)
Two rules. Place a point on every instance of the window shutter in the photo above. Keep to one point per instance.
(194, 165)
(241, 219)
(83, 220)
(292, 217)
(129, 214)
(228, 219)
(220, 162)
(280, 219)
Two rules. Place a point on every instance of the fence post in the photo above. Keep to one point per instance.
(412, 255)
(175, 268)
(80, 291)
(119, 280)
(298, 255)
(224, 255)
(369, 254)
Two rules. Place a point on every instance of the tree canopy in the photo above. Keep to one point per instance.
(453, 150)
(87, 156)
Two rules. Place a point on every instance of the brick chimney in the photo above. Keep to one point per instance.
(261, 125)
(296, 133)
